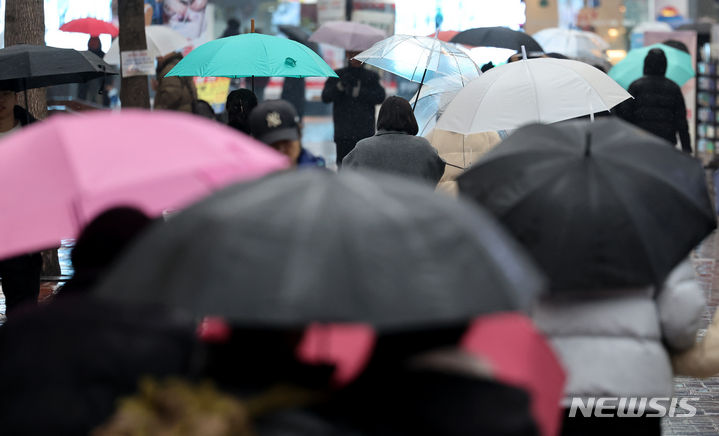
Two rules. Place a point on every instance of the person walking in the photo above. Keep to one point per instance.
(354, 96)
(658, 105)
(173, 93)
(275, 122)
(20, 274)
(240, 103)
(395, 148)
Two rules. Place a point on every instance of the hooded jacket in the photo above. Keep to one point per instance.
(658, 105)
(174, 93)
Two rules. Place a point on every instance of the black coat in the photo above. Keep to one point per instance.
(354, 95)
(658, 105)
(416, 402)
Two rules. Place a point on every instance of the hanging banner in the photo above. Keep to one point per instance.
(137, 63)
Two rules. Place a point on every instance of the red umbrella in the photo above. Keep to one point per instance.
(91, 26)
(520, 355)
(445, 35)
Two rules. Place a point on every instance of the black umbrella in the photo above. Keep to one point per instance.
(309, 246)
(599, 205)
(299, 34)
(497, 37)
(703, 27)
(31, 66)
(24, 67)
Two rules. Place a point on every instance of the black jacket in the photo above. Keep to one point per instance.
(354, 95)
(658, 105)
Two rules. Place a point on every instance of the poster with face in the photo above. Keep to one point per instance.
(188, 17)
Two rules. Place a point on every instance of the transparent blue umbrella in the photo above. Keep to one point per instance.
(421, 58)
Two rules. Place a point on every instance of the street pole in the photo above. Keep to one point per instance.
(134, 91)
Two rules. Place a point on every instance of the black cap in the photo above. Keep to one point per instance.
(274, 120)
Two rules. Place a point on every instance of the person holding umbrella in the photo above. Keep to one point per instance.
(395, 148)
(354, 96)
(610, 215)
(658, 105)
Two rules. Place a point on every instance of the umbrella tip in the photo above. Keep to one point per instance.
(588, 144)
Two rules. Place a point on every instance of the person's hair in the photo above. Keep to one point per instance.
(396, 115)
(240, 103)
(488, 66)
(106, 236)
(232, 29)
(203, 109)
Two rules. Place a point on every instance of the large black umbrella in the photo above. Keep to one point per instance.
(24, 67)
(32, 66)
(599, 205)
(497, 37)
(310, 245)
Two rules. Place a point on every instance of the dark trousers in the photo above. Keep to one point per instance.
(20, 279)
(344, 146)
(592, 426)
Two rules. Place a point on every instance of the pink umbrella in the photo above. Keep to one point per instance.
(348, 35)
(58, 174)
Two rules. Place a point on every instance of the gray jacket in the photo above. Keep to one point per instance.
(397, 153)
(618, 344)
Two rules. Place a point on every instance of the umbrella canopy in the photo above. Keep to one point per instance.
(651, 26)
(680, 67)
(299, 34)
(599, 205)
(89, 163)
(260, 55)
(501, 37)
(91, 26)
(529, 91)
(702, 27)
(349, 35)
(161, 40)
(307, 246)
(445, 35)
(432, 99)
(586, 46)
(35, 66)
(420, 58)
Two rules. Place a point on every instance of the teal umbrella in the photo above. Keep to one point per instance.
(252, 55)
(679, 65)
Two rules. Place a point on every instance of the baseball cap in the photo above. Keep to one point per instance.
(274, 120)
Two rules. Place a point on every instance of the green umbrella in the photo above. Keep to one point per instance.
(252, 55)
(679, 65)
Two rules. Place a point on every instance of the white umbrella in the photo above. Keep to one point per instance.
(652, 26)
(573, 43)
(349, 35)
(161, 40)
(530, 91)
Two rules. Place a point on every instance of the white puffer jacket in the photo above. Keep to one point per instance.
(618, 343)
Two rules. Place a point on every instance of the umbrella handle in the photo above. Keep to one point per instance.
(27, 105)
(419, 90)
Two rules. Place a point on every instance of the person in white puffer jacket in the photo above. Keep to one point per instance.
(619, 344)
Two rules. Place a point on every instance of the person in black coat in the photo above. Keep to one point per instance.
(354, 94)
(20, 274)
(658, 105)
